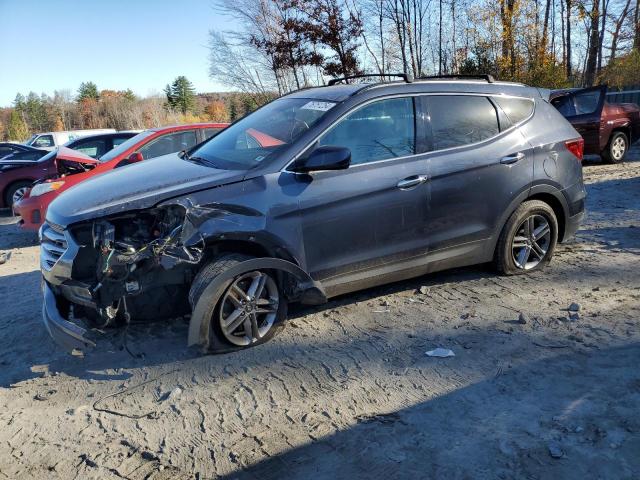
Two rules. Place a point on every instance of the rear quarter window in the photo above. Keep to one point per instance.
(516, 109)
(458, 120)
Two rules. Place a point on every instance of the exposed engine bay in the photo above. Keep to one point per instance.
(138, 264)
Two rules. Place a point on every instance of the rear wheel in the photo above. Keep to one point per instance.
(528, 239)
(617, 148)
(250, 309)
(15, 192)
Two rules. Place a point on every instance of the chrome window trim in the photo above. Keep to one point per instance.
(421, 94)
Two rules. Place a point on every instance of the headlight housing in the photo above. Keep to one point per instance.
(46, 187)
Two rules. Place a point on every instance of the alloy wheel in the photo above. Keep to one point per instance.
(531, 242)
(18, 194)
(249, 308)
(618, 147)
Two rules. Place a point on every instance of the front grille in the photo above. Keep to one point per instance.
(52, 246)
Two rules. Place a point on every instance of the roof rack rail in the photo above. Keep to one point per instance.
(487, 77)
(404, 76)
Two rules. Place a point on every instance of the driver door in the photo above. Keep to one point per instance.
(372, 215)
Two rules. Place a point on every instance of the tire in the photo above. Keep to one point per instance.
(617, 148)
(11, 192)
(267, 325)
(515, 241)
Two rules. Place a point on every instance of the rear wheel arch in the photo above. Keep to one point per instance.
(558, 209)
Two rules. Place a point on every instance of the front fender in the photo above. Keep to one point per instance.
(200, 322)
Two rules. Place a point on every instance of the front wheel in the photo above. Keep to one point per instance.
(250, 309)
(617, 148)
(528, 239)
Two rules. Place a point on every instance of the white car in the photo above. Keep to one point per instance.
(51, 140)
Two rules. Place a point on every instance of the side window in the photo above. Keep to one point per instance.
(94, 147)
(4, 151)
(587, 102)
(564, 105)
(44, 141)
(118, 140)
(516, 109)
(382, 130)
(458, 120)
(171, 143)
(210, 132)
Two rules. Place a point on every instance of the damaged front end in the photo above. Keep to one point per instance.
(134, 265)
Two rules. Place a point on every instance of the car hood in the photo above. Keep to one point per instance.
(134, 187)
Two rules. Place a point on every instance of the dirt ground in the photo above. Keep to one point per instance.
(346, 390)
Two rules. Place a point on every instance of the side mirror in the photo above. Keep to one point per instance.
(324, 158)
(135, 157)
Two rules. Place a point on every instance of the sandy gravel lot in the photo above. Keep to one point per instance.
(346, 390)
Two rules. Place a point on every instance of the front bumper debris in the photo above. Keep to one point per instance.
(66, 334)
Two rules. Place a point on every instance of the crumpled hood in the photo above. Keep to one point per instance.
(134, 187)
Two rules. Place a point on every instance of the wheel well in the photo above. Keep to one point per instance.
(555, 204)
(243, 247)
(625, 130)
(254, 249)
(8, 187)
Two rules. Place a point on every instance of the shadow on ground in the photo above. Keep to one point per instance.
(502, 427)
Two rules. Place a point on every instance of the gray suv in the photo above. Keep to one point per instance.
(319, 193)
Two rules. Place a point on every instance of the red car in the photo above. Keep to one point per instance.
(608, 129)
(71, 171)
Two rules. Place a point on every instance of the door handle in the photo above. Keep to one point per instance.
(510, 159)
(411, 182)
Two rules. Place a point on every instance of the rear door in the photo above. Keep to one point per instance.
(479, 163)
(374, 212)
(583, 108)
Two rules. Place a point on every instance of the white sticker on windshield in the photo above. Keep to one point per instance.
(315, 105)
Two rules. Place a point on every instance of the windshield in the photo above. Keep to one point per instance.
(260, 135)
(31, 139)
(124, 146)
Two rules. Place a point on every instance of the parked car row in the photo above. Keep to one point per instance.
(25, 165)
(66, 168)
(321, 192)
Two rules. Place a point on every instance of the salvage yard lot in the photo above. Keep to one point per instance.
(346, 389)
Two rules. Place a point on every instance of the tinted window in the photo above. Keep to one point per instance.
(587, 102)
(461, 120)
(378, 131)
(516, 109)
(171, 143)
(564, 105)
(118, 140)
(28, 155)
(44, 141)
(210, 132)
(5, 151)
(93, 147)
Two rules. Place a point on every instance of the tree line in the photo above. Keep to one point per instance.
(283, 45)
(122, 110)
(288, 44)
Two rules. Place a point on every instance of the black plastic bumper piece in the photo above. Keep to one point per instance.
(66, 334)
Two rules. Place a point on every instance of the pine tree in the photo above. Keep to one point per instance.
(87, 90)
(180, 95)
(17, 128)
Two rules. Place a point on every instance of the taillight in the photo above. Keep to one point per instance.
(576, 147)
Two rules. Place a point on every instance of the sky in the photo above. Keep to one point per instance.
(48, 45)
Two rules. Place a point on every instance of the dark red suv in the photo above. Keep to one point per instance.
(608, 129)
